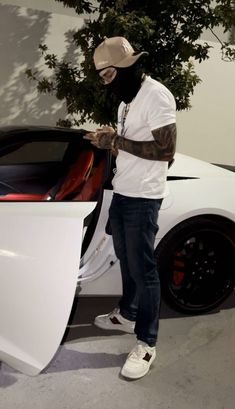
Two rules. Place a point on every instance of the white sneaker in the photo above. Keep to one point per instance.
(115, 321)
(138, 361)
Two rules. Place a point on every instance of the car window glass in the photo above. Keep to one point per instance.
(35, 152)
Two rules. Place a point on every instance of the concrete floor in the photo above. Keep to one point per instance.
(195, 367)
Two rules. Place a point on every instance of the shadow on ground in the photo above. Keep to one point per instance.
(85, 309)
(69, 360)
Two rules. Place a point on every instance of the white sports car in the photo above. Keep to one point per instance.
(55, 191)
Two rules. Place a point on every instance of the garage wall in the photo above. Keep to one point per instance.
(207, 131)
(21, 31)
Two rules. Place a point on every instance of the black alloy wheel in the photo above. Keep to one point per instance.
(196, 263)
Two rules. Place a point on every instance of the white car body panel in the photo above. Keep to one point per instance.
(39, 256)
(206, 190)
(191, 167)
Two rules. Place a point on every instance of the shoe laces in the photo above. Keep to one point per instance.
(114, 312)
(140, 350)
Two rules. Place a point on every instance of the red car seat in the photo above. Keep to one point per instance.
(93, 183)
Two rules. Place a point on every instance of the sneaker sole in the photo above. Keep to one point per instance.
(114, 327)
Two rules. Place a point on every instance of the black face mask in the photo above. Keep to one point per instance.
(127, 83)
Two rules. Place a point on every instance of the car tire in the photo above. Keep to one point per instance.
(196, 264)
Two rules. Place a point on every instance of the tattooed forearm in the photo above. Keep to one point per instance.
(106, 140)
(165, 139)
(102, 139)
(162, 148)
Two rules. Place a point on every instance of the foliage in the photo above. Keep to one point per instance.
(167, 30)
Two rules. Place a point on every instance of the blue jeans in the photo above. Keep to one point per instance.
(134, 226)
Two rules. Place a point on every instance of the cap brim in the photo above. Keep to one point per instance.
(130, 60)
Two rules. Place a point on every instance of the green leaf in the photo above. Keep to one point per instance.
(167, 30)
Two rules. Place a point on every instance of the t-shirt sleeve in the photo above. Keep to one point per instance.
(161, 108)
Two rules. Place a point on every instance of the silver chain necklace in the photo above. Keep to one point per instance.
(125, 111)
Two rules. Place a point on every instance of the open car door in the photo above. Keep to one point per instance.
(50, 185)
(39, 259)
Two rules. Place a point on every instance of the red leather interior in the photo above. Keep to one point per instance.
(77, 174)
(21, 196)
(93, 183)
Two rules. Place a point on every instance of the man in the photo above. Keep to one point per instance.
(144, 144)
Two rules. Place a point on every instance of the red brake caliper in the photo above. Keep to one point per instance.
(178, 274)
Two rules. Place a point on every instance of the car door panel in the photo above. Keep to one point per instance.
(39, 259)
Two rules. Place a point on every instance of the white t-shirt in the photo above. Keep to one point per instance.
(153, 107)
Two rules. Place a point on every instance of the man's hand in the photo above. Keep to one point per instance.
(102, 138)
